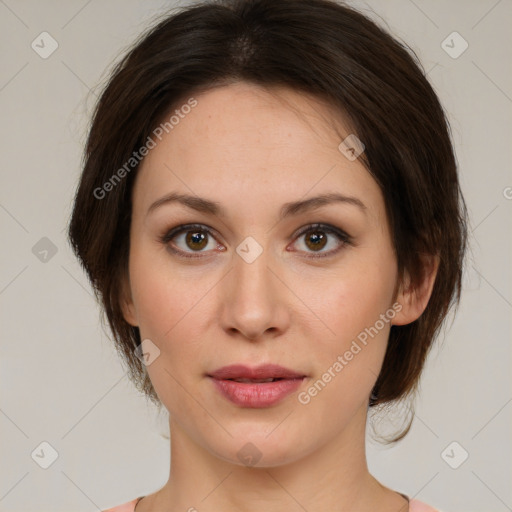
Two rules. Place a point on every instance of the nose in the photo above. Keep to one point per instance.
(253, 302)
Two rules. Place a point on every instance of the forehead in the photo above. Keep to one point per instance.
(245, 144)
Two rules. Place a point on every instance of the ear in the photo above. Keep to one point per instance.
(414, 299)
(126, 303)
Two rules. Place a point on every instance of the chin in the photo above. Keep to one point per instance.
(256, 450)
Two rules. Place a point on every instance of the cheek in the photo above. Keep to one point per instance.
(173, 317)
(356, 311)
(347, 363)
(354, 297)
(164, 298)
(171, 313)
(173, 302)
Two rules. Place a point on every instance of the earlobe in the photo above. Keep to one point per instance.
(127, 306)
(129, 313)
(414, 299)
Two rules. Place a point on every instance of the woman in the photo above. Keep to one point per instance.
(271, 217)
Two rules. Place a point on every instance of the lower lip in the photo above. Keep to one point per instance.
(264, 394)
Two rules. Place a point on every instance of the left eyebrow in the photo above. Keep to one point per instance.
(296, 207)
(204, 205)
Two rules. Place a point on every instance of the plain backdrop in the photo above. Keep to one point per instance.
(61, 380)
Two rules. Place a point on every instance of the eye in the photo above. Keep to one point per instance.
(194, 236)
(198, 238)
(317, 237)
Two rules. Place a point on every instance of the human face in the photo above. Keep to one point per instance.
(300, 303)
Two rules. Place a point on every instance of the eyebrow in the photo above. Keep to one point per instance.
(204, 205)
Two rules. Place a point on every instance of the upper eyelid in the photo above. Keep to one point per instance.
(171, 233)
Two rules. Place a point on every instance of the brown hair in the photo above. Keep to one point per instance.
(318, 47)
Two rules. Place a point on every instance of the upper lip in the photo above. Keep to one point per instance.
(265, 371)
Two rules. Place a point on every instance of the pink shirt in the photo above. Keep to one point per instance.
(414, 506)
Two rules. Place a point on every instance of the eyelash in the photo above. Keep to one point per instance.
(343, 237)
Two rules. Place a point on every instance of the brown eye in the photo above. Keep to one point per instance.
(196, 239)
(189, 239)
(316, 240)
(318, 236)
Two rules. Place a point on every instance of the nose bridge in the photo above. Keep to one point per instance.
(251, 303)
(251, 272)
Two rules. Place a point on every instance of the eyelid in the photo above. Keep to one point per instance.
(173, 232)
(343, 238)
(328, 228)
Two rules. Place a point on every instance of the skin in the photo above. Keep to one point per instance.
(252, 150)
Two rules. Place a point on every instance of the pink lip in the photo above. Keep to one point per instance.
(256, 395)
(265, 371)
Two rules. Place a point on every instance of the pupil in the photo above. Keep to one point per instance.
(316, 240)
(196, 237)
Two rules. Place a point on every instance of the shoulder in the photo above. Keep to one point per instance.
(414, 506)
(419, 506)
(125, 507)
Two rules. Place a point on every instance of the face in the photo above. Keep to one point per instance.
(259, 281)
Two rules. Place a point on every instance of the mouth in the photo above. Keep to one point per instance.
(257, 381)
(259, 387)
(262, 373)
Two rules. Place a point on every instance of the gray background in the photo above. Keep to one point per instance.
(62, 381)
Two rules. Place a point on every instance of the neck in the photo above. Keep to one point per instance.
(333, 476)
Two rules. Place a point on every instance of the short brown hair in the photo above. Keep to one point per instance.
(317, 47)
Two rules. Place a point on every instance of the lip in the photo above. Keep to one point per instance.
(251, 394)
(264, 371)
